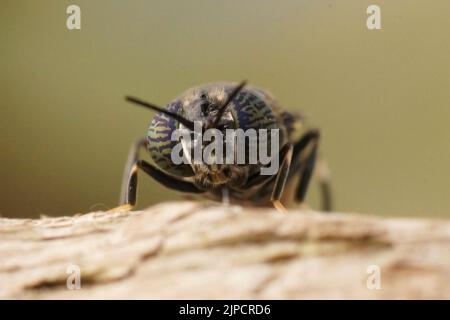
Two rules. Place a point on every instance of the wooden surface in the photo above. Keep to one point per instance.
(190, 250)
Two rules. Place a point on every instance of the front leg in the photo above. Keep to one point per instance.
(306, 147)
(281, 177)
(264, 183)
(162, 177)
(130, 180)
(133, 156)
(303, 161)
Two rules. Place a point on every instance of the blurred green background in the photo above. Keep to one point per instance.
(381, 98)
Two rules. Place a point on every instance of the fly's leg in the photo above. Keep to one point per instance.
(130, 179)
(162, 177)
(285, 156)
(133, 156)
(225, 196)
(323, 176)
(304, 160)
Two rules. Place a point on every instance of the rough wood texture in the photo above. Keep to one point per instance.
(192, 250)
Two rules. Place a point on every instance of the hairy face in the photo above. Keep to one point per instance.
(208, 159)
(203, 104)
(218, 176)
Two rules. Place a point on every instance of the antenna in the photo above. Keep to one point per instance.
(233, 94)
(189, 124)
